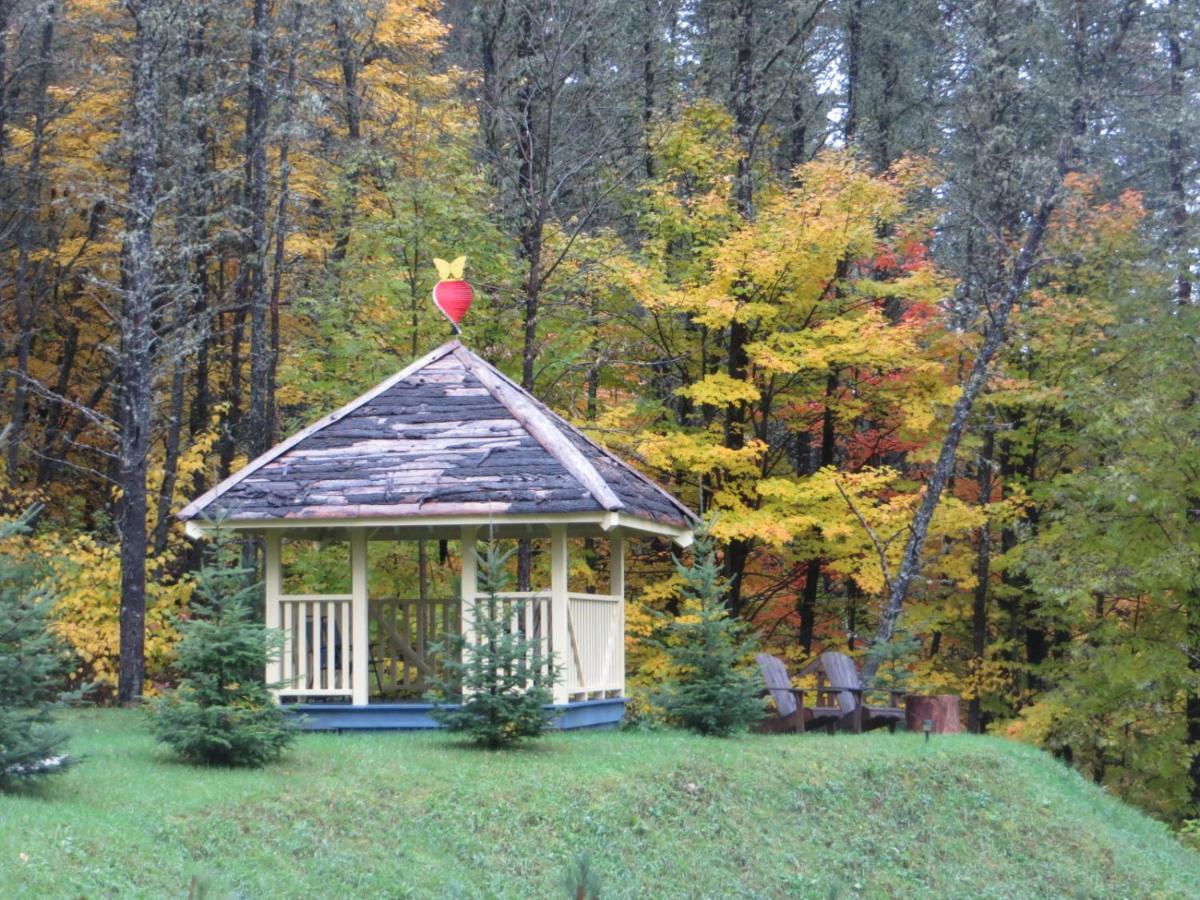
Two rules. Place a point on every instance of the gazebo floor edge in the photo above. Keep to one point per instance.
(573, 716)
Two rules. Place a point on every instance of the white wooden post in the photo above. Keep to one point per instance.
(273, 578)
(470, 582)
(616, 564)
(560, 640)
(359, 619)
(616, 587)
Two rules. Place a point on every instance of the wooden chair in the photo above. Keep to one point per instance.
(837, 676)
(792, 714)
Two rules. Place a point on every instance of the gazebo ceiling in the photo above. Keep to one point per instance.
(449, 439)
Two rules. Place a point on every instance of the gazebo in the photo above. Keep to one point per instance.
(447, 450)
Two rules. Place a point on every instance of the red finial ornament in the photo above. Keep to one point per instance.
(452, 295)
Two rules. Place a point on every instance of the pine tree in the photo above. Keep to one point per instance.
(502, 674)
(31, 671)
(713, 689)
(222, 712)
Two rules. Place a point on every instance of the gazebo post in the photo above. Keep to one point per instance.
(616, 565)
(359, 619)
(616, 587)
(470, 581)
(273, 583)
(560, 637)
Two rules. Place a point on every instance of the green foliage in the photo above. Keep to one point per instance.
(893, 662)
(222, 712)
(32, 669)
(713, 688)
(1116, 563)
(501, 674)
(581, 881)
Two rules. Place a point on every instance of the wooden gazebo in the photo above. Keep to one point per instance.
(447, 450)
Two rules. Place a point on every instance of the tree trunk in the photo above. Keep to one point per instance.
(650, 41)
(257, 427)
(23, 289)
(137, 339)
(853, 67)
(348, 63)
(1176, 164)
(979, 608)
(281, 225)
(994, 335)
(940, 710)
(808, 599)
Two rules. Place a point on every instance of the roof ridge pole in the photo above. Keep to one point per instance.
(542, 429)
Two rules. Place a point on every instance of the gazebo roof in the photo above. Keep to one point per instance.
(449, 437)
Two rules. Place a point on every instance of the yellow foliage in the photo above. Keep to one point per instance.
(84, 577)
(720, 389)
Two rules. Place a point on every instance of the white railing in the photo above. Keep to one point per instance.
(316, 658)
(595, 663)
(527, 612)
(407, 642)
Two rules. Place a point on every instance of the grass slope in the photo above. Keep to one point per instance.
(660, 815)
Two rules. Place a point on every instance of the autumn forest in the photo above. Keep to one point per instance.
(899, 296)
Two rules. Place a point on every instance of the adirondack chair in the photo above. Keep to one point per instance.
(792, 714)
(837, 676)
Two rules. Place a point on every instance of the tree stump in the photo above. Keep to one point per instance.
(940, 709)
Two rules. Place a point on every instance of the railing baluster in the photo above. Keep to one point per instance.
(302, 645)
(345, 607)
(288, 673)
(330, 646)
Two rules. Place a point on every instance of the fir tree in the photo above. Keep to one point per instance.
(32, 667)
(713, 688)
(503, 676)
(222, 712)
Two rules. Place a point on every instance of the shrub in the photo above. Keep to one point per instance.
(222, 712)
(32, 668)
(85, 579)
(712, 687)
(502, 675)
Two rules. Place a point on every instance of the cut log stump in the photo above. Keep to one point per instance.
(940, 709)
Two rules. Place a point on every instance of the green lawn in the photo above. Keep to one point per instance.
(660, 815)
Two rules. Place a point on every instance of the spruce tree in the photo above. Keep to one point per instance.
(713, 688)
(223, 713)
(502, 675)
(32, 667)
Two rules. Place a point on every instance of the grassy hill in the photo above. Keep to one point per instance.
(659, 815)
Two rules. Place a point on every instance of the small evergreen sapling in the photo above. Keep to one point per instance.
(713, 688)
(892, 662)
(503, 676)
(223, 713)
(32, 669)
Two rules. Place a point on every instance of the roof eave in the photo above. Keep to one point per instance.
(605, 521)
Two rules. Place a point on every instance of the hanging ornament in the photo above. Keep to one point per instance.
(452, 295)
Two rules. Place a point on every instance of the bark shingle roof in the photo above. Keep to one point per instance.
(449, 435)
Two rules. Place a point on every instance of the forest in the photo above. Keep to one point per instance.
(898, 295)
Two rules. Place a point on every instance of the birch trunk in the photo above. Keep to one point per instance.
(993, 339)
